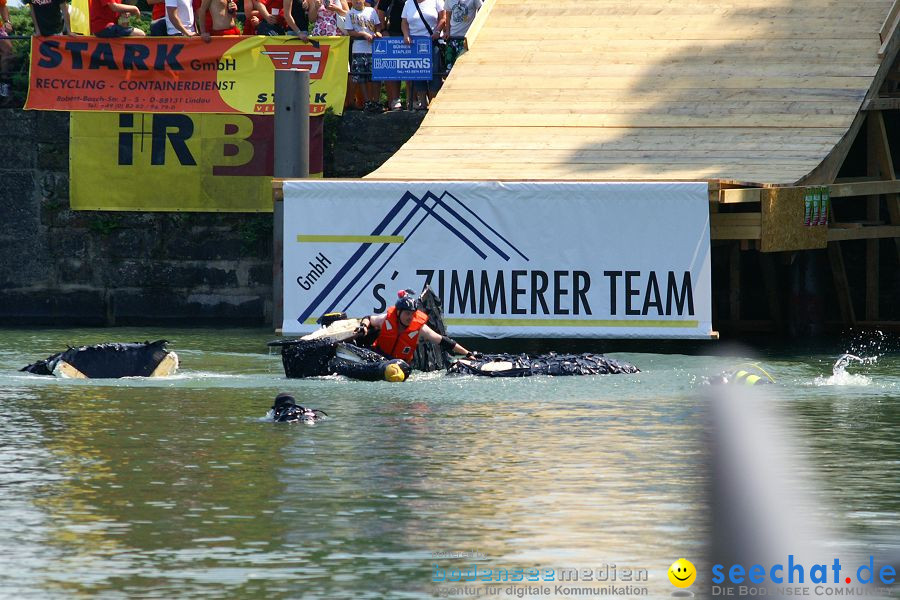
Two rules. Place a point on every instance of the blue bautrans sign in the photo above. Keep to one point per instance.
(394, 59)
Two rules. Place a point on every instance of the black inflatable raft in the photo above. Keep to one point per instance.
(327, 356)
(524, 365)
(334, 349)
(109, 361)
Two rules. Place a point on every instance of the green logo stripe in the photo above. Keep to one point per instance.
(573, 323)
(560, 323)
(352, 239)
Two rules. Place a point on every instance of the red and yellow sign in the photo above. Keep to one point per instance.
(180, 75)
(176, 162)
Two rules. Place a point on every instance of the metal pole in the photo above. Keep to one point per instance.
(291, 161)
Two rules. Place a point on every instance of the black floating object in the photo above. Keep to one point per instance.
(324, 356)
(108, 361)
(431, 357)
(524, 365)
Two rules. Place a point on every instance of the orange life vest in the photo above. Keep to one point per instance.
(396, 342)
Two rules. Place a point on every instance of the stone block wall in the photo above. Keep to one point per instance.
(65, 268)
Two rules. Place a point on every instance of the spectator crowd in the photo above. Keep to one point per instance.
(444, 21)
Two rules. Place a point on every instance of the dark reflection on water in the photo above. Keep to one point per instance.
(176, 488)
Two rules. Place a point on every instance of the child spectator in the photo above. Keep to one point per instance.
(391, 14)
(180, 18)
(364, 26)
(280, 17)
(110, 19)
(460, 14)
(425, 18)
(50, 17)
(223, 12)
(323, 14)
(296, 16)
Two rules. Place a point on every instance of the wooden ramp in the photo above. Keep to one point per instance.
(755, 92)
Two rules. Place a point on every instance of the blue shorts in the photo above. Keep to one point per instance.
(361, 68)
(114, 31)
(158, 28)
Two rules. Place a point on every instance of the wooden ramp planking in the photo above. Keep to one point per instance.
(757, 91)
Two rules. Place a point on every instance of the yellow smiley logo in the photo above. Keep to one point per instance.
(682, 573)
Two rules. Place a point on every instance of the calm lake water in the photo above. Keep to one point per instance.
(175, 488)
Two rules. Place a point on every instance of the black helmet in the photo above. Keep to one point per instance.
(406, 300)
(284, 407)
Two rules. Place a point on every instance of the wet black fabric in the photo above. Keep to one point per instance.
(429, 357)
(524, 365)
(107, 361)
(315, 358)
(308, 358)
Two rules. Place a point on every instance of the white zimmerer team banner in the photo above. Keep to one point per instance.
(508, 259)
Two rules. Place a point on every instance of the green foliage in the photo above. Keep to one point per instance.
(55, 204)
(143, 23)
(18, 74)
(103, 225)
(329, 140)
(23, 25)
(254, 231)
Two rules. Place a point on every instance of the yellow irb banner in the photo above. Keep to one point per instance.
(175, 162)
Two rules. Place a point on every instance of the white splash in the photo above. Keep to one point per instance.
(839, 374)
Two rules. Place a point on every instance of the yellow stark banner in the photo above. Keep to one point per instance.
(179, 75)
(78, 16)
(176, 162)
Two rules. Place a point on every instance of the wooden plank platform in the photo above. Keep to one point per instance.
(758, 92)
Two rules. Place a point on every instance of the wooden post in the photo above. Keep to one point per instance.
(734, 297)
(874, 168)
(291, 160)
(885, 163)
(841, 285)
(770, 280)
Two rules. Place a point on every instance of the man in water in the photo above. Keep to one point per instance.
(401, 327)
(286, 410)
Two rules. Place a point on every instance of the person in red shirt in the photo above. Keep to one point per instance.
(251, 18)
(157, 14)
(158, 18)
(107, 17)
